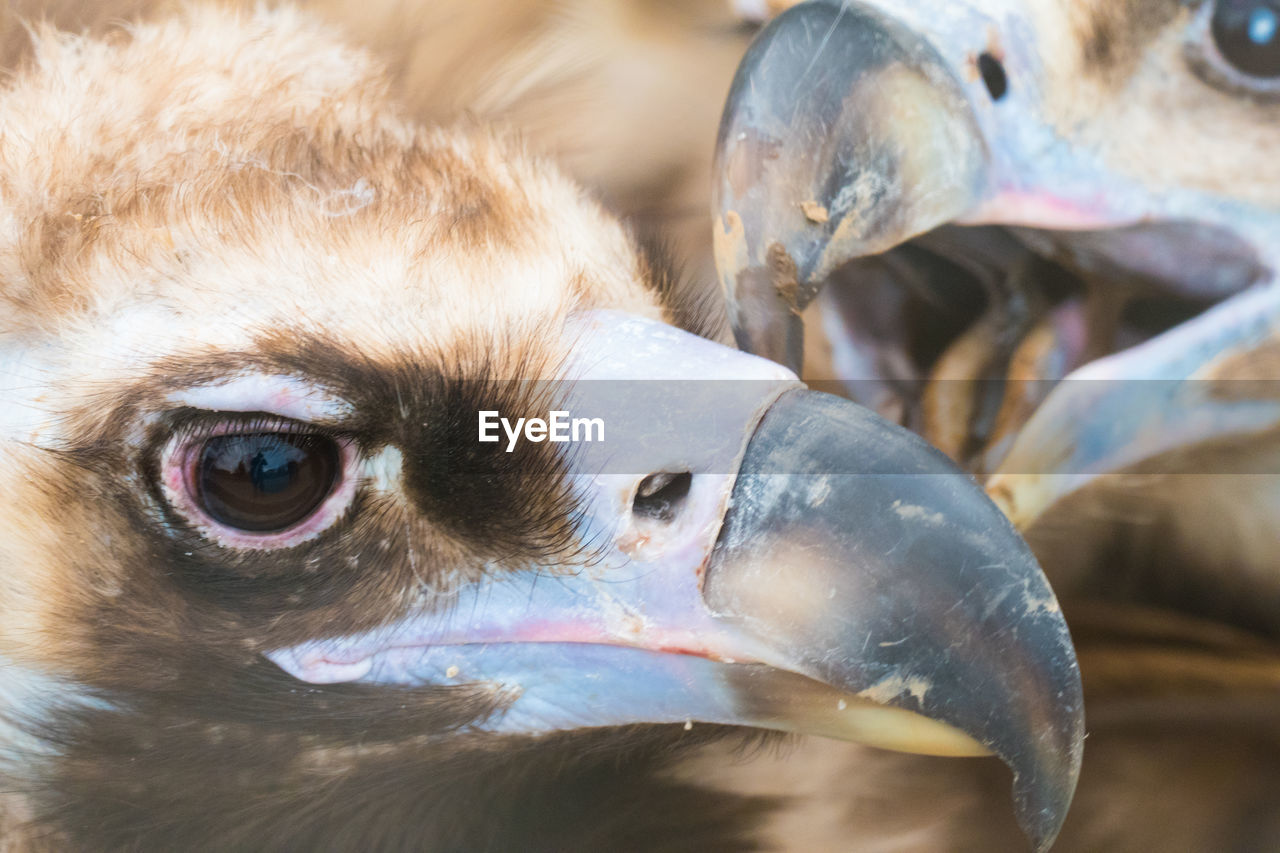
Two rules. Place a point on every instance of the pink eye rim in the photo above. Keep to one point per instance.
(179, 472)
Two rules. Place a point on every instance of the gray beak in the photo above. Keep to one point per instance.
(844, 135)
(980, 644)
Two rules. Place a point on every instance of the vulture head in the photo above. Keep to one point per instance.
(951, 206)
(294, 552)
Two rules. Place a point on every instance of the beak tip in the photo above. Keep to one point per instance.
(876, 566)
(1043, 791)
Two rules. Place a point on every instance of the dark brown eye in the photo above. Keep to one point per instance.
(1247, 33)
(265, 481)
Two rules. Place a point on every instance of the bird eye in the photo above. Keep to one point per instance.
(258, 483)
(265, 481)
(1235, 45)
(1247, 33)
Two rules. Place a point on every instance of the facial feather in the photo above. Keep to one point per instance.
(259, 209)
(549, 69)
(1121, 80)
(260, 222)
(165, 234)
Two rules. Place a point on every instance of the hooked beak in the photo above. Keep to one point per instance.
(799, 564)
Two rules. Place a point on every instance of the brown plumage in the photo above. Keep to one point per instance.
(224, 223)
(552, 72)
(143, 257)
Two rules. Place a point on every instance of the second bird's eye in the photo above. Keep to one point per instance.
(1247, 34)
(264, 482)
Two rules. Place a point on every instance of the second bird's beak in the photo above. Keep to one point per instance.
(844, 135)
(761, 555)
(854, 126)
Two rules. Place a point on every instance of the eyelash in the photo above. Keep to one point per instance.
(194, 426)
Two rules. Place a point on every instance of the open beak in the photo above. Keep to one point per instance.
(760, 555)
(853, 127)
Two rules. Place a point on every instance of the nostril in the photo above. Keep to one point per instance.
(993, 75)
(660, 496)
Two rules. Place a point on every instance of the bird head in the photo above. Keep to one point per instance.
(1006, 194)
(265, 578)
